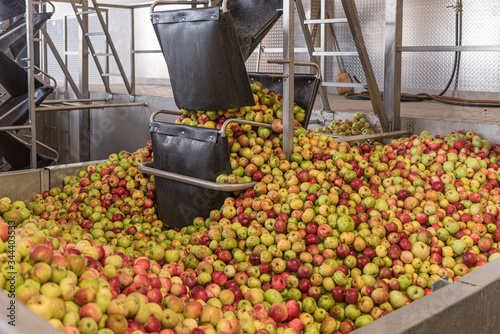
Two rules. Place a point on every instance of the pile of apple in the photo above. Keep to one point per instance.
(326, 242)
(354, 127)
(268, 107)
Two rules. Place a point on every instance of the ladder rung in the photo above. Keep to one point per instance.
(333, 53)
(341, 20)
(102, 54)
(87, 12)
(111, 75)
(342, 84)
(95, 33)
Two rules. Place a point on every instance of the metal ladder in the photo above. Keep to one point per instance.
(105, 32)
(319, 57)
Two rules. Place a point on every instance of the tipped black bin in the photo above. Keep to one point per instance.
(252, 20)
(305, 89)
(206, 68)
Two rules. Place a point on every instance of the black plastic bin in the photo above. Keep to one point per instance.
(206, 68)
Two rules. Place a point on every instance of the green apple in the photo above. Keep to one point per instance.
(51, 289)
(71, 319)
(415, 292)
(118, 306)
(59, 307)
(169, 319)
(396, 299)
(87, 326)
(143, 314)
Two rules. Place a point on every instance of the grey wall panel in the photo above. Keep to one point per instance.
(116, 129)
(23, 185)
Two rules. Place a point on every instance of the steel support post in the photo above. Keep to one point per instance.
(392, 76)
(132, 52)
(84, 116)
(31, 80)
(323, 42)
(288, 80)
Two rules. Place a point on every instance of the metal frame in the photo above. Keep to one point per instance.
(288, 76)
(393, 50)
(352, 18)
(31, 81)
(148, 168)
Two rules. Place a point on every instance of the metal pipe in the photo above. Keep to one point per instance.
(75, 100)
(392, 66)
(321, 21)
(259, 55)
(288, 71)
(299, 63)
(335, 53)
(222, 130)
(31, 80)
(147, 167)
(46, 147)
(90, 106)
(165, 2)
(15, 127)
(12, 110)
(12, 31)
(47, 75)
(132, 51)
(162, 111)
(145, 51)
(52, 5)
(342, 84)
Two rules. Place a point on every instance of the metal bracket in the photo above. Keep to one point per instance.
(147, 167)
(440, 283)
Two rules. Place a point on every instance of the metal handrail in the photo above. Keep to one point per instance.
(47, 75)
(163, 111)
(298, 63)
(166, 2)
(46, 147)
(12, 31)
(12, 109)
(147, 167)
(52, 5)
